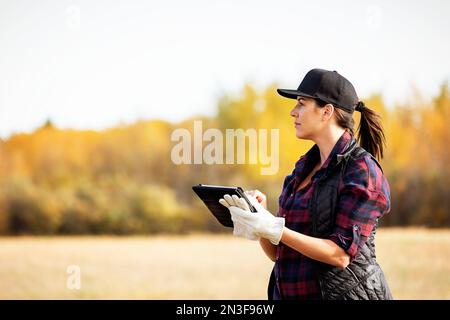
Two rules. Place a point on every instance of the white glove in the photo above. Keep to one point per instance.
(261, 223)
(239, 229)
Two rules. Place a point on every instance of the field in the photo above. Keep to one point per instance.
(416, 263)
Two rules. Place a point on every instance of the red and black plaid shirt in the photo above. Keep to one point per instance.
(364, 196)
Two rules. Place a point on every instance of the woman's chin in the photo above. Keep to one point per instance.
(299, 134)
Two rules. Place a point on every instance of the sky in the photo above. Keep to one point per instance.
(94, 64)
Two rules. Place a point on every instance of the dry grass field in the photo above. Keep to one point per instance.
(416, 263)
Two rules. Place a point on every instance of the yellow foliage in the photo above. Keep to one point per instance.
(122, 180)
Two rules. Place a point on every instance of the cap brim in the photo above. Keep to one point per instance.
(293, 94)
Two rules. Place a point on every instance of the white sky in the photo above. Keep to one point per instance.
(94, 64)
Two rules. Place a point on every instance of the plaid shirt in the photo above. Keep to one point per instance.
(364, 196)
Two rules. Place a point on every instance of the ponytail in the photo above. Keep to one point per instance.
(370, 131)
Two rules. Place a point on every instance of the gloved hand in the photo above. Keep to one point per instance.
(261, 223)
(239, 229)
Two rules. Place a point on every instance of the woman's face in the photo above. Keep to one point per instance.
(307, 118)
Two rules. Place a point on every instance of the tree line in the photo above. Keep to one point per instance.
(122, 180)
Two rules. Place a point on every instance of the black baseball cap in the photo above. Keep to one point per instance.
(325, 85)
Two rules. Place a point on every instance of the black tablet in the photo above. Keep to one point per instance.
(211, 194)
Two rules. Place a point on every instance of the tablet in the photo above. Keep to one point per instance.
(210, 196)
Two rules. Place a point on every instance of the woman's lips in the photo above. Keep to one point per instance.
(296, 124)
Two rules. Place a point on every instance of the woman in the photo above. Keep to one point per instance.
(322, 240)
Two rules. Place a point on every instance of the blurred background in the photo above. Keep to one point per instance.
(91, 91)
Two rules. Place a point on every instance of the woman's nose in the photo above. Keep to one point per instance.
(293, 112)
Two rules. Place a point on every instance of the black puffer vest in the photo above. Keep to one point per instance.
(363, 278)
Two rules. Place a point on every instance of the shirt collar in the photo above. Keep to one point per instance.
(307, 161)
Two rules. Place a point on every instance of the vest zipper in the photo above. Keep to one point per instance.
(354, 275)
(314, 211)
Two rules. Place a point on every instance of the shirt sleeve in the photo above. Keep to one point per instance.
(364, 197)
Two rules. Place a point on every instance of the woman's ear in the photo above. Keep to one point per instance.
(328, 111)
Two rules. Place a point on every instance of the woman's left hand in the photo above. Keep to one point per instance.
(261, 223)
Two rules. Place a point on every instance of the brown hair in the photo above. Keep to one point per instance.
(370, 130)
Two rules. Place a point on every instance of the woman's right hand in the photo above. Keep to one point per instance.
(261, 197)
